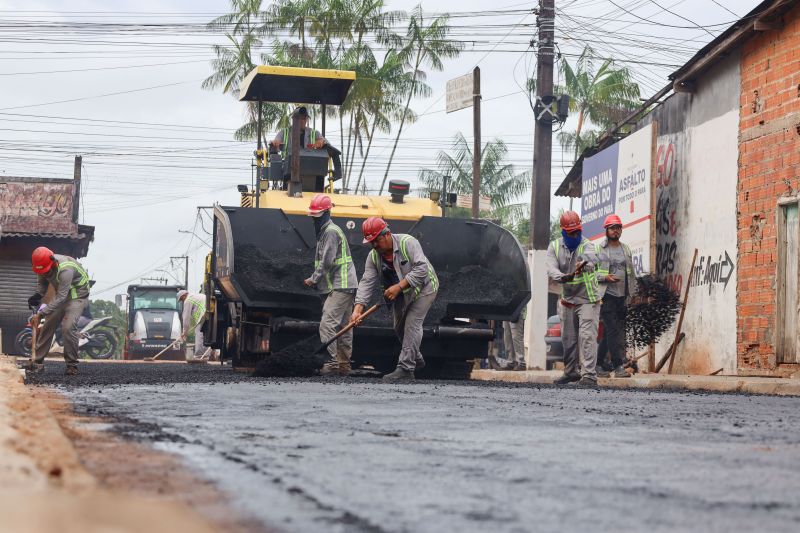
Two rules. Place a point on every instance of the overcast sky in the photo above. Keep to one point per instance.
(171, 148)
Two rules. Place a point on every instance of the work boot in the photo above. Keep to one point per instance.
(400, 375)
(620, 372)
(602, 372)
(34, 368)
(587, 382)
(566, 379)
(330, 368)
(72, 370)
(520, 367)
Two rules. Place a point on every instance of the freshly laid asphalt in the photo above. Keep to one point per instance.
(360, 455)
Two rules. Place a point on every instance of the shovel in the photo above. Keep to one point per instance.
(347, 328)
(162, 352)
(34, 337)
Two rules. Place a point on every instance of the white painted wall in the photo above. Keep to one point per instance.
(702, 214)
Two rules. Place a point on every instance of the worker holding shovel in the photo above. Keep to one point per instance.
(399, 267)
(193, 317)
(335, 278)
(71, 284)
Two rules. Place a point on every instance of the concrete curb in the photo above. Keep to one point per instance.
(741, 384)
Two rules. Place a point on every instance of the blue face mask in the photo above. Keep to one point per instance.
(572, 242)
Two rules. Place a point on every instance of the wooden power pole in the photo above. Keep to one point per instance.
(539, 237)
(476, 148)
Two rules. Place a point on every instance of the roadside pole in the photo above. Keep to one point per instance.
(539, 237)
(476, 147)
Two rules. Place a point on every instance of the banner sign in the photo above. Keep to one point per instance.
(617, 180)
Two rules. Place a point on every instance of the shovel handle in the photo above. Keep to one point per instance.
(351, 325)
(162, 352)
(35, 319)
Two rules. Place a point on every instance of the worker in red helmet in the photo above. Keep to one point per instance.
(71, 285)
(335, 279)
(398, 266)
(617, 284)
(571, 261)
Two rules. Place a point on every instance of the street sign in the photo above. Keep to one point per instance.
(460, 92)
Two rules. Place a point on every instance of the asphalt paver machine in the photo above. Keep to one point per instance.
(263, 249)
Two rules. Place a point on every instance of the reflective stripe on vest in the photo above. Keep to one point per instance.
(286, 140)
(342, 261)
(431, 276)
(82, 281)
(584, 278)
(198, 311)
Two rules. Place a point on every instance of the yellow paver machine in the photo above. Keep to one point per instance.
(264, 249)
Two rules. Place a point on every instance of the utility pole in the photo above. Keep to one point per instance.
(539, 237)
(185, 270)
(476, 148)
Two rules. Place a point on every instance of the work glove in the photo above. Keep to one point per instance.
(566, 278)
(35, 300)
(42, 309)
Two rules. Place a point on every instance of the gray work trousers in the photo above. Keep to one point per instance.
(579, 327)
(199, 338)
(336, 311)
(408, 327)
(67, 315)
(514, 340)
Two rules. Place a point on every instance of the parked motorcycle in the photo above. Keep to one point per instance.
(95, 339)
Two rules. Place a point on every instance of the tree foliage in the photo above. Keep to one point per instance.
(335, 34)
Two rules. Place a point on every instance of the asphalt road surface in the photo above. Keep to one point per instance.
(359, 455)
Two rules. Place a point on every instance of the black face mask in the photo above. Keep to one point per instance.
(321, 221)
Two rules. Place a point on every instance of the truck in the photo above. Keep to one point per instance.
(154, 321)
(263, 249)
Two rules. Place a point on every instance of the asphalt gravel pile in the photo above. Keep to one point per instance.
(282, 271)
(296, 360)
(653, 312)
(472, 285)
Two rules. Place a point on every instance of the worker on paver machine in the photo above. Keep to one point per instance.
(398, 265)
(71, 285)
(335, 278)
(194, 317)
(571, 261)
(308, 136)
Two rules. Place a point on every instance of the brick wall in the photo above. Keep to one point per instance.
(769, 169)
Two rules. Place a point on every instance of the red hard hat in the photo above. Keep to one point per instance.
(372, 227)
(319, 204)
(42, 260)
(570, 221)
(612, 220)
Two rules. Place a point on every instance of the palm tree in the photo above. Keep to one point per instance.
(600, 96)
(499, 180)
(244, 32)
(386, 105)
(425, 44)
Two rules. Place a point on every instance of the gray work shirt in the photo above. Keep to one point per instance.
(410, 264)
(334, 269)
(616, 268)
(62, 279)
(627, 286)
(561, 261)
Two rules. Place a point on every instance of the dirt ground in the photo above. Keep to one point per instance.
(121, 465)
